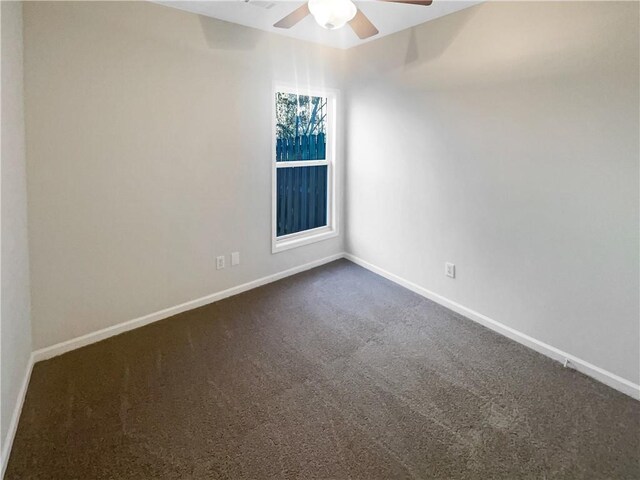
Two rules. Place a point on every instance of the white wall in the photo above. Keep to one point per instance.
(149, 153)
(505, 139)
(15, 325)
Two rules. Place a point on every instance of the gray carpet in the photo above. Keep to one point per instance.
(334, 373)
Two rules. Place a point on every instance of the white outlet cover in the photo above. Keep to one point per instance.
(220, 262)
(235, 258)
(450, 270)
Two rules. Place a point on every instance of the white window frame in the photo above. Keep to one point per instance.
(330, 230)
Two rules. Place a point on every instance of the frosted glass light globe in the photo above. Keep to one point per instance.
(332, 14)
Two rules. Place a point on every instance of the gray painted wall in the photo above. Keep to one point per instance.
(505, 139)
(15, 325)
(149, 140)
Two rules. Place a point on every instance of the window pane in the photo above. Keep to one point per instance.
(301, 127)
(302, 199)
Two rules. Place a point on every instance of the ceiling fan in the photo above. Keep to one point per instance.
(333, 14)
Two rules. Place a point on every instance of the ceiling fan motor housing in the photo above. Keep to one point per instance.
(332, 14)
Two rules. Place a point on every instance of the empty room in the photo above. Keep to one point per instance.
(332, 239)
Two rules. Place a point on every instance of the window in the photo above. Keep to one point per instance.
(304, 145)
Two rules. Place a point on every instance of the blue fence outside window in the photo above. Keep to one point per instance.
(301, 191)
(301, 199)
(304, 147)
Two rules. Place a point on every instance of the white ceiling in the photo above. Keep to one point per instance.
(387, 17)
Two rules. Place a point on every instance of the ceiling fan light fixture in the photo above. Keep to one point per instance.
(332, 14)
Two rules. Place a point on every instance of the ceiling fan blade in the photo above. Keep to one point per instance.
(294, 17)
(363, 26)
(424, 3)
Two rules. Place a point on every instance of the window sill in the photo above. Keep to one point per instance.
(295, 240)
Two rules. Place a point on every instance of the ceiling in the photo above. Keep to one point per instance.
(387, 17)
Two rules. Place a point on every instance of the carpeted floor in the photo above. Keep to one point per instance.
(334, 373)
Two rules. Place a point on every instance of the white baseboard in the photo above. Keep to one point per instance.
(63, 347)
(600, 374)
(15, 418)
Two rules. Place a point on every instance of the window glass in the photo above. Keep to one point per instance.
(301, 199)
(301, 127)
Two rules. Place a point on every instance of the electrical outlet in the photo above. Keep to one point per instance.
(220, 262)
(450, 270)
(235, 258)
